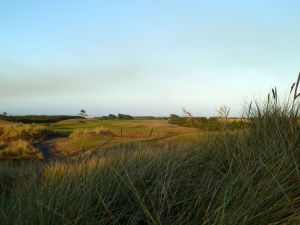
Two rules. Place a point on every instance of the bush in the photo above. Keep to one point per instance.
(124, 117)
(112, 116)
(207, 124)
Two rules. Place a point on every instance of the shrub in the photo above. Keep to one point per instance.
(125, 117)
(203, 123)
(112, 116)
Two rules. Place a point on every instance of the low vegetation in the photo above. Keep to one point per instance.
(114, 117)
(20, 149)
(208, 124)
(18, 141)
(27, 132)
(37, 119)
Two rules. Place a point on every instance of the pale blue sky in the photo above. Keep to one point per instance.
(144, 57)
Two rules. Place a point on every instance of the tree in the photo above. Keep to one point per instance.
(174, 116)
(4, 114)
(112, 117)
(82, 113)
(189, 116)
(124, 117)
(223, 112)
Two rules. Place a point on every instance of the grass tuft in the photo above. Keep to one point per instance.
(18, 141)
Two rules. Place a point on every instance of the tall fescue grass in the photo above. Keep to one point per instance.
(19, 140)
(20, 149)
(29, 132)
(248, 176)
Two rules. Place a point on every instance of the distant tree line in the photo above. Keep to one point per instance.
(82, 113)
(116, 117)
(204, 123)
(38, 118)
(151, 117)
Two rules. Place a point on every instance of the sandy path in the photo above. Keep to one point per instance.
(48, 150)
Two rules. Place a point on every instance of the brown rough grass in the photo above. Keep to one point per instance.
(96, 132)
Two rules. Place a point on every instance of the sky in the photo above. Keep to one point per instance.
(144, 57)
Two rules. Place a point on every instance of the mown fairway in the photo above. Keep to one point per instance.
(74, 136)
(123, 130)
(131, 128)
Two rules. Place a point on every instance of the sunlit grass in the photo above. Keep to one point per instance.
(248, 176)
(18, 141)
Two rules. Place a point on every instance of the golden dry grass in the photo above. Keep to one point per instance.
(18, 140)
(28, 132)
(20, 149)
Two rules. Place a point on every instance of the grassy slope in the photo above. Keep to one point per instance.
(132, 131)
(130, 127)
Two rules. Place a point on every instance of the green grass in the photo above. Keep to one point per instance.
(121, 131)
(141, 127)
